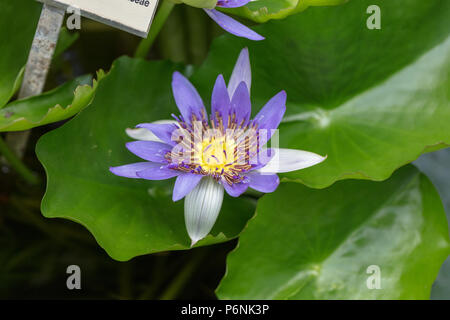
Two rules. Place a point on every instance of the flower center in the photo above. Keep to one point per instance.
(216, 153)
(214, 149)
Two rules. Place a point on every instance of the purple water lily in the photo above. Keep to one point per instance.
(210, 156)
(229, 24)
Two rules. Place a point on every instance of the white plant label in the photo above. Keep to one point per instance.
(134, 16)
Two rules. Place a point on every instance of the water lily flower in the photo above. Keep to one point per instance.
(225, 152)
(229, 24)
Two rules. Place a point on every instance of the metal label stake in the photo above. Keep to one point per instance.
(38, 64)
(42, 50)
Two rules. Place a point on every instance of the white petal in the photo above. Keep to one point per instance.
(241, 72)
(286, 160)
(144, 134)
(202, 207)
(141, 134)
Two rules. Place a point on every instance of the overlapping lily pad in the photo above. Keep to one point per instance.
(372, 100)
(334, 243)
(128, 217)
(56, 105)
(264, 10)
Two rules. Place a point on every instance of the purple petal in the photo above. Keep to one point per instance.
(241, 72)
(184, 184)
(162, 131)
(158, 172)
(149, 150)
(232, 26)
(271, 114)
(187, 98)
(263, 183)
(130, 170)
(241, 104)
(236, 189)
(220, 101)
(232, 3)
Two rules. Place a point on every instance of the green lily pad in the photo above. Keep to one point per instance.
(264, 10)
(18, 21)
(56, 105)
(333, 243)
(372, 100)
(128, 217)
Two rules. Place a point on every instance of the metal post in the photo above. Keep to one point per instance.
(36, 70)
